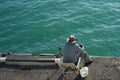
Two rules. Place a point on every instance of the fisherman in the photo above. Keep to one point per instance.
(73, 51)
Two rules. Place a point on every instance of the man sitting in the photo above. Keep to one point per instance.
(73, 51)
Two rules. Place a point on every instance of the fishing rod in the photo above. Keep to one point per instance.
(58, 42)
(59, 49)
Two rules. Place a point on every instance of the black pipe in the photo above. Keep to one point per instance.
(31, 59)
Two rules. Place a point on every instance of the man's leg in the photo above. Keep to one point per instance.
(88, 60)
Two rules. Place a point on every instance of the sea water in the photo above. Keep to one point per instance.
(41, 26)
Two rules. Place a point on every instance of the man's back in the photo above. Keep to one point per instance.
(72, 50)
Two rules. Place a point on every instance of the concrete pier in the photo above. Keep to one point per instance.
(103, 68)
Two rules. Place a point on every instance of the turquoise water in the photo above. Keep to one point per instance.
(40, 26)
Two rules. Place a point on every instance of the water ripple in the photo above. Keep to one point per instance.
(41, 25)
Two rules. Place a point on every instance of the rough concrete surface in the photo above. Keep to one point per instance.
(103, 68)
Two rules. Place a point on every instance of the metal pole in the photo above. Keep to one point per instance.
(20, 59)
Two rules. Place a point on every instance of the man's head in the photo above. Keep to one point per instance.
(72, 39)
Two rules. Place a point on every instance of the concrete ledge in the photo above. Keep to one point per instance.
(103, 68)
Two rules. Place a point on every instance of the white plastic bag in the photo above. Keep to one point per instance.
(84, 72)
